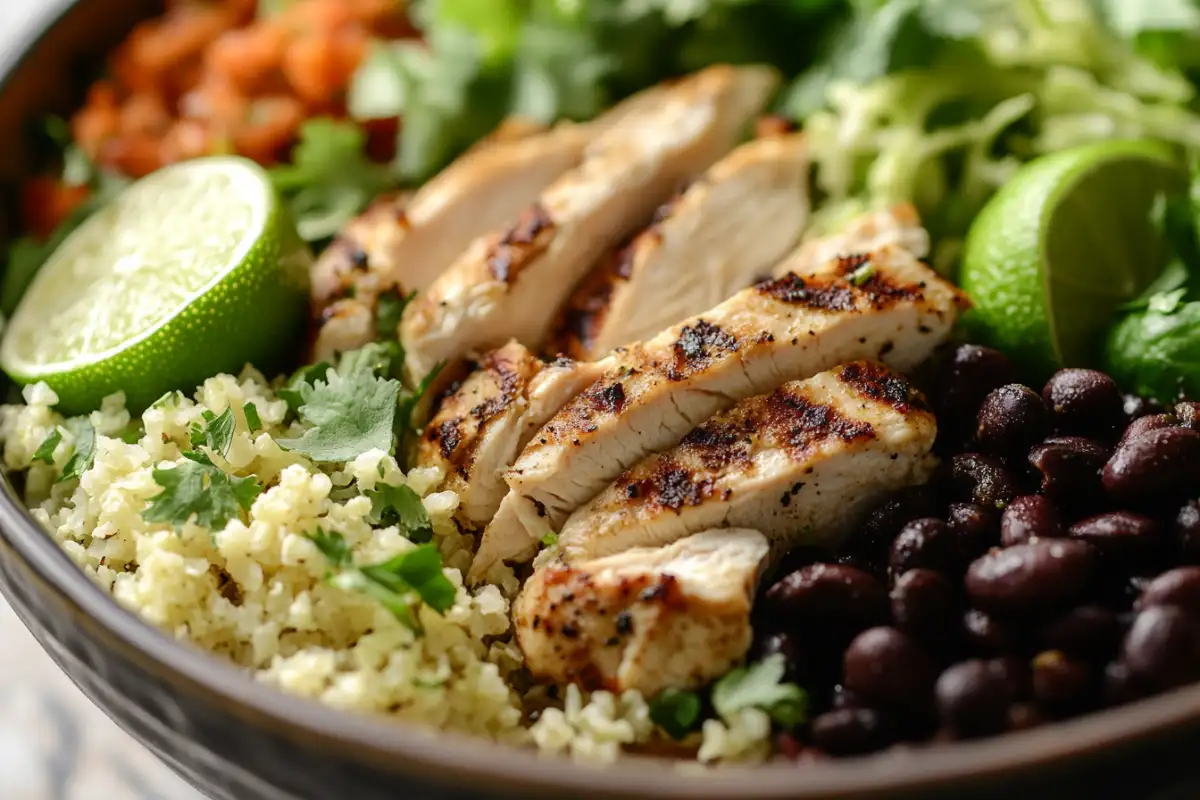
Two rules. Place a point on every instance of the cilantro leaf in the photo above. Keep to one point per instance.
(375, 357)
(388, 313)
(45, 450)
(406, 420)
(330, 178)
(199, 489)
(84, 454)
(550, 538)
(400, 505)
(393, 583)
(761, 686)
(349, 414)
(676, 711)
(253, 422)
(333, 546)
(305, 376)
(218, 433)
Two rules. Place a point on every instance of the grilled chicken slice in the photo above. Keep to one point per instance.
(478, 430)
(798, 464)
(407, 242)
(899, 226)
(720, 235)
(510, 284)
(648, 619)
(885, 305)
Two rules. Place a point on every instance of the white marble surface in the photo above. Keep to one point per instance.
(54, 744)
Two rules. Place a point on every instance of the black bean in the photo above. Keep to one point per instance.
(1186, 531)
(1087, 632)
(1120, 687)
(968, 375)
(983, 479)
(1124, 535)
(886, 666)
(1061, 685)
(1010, 420)
(973, 531)
(924, 605)
(873, 538)
(1031, 516)
(1016, 671)
(852, 731)
(801, 556)
(844, 698)
(973, 698)
(1024, 716)
(828, 593)
(1151, 422)
(1037, 576)
(922, 544)
(1155, 466)
(1188, 414)
(1162, 648)
(1179, 587)
(1084, 402)
(989, 636)
(1069, 467)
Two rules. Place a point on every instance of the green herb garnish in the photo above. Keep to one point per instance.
(45, 450)
(198, 489)
(761, 685)
(400, 506)
(676, 711)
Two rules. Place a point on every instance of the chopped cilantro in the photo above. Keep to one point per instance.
(172, 397)
(333, 546)
(393, 583)
(218, 433)
(84, 454)
(253, 422)
(349, 414)
(305, 376)
(388, 313)
(197, 488)
(45, 451)
(676, 711)
(400, 505)
(761, 686)
(550, 538)
(330, 178)
(862, 274)
(406, 423)
(379, 358)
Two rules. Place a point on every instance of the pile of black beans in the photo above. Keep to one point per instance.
(1051, 568)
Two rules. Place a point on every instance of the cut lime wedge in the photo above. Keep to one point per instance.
(193, 270)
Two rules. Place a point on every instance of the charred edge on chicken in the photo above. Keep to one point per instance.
(448, 433)
(695, 348)
(882, 385)
(528, 238)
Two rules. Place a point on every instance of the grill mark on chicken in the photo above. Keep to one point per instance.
(793, 289)
(606, 398)
(833, 292)
(447, 436)
(881, 384)
(696, 346)
(528, 238)
(799, 424)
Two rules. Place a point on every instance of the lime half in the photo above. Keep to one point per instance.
(193, 270)
(1062, 245)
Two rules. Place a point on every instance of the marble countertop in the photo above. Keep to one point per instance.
(54, 744)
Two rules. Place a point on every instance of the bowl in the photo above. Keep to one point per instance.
(235, 739)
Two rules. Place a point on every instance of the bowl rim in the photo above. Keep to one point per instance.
(477, 762)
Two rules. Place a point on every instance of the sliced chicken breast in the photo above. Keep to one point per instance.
(718, 236)
(648, 619)
(885, 305)
(480, 428)
(407, 242)
(510, 284)
(799, 464)
(899, 226)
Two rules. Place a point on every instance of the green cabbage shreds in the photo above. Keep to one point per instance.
(938, 102)
(762, 686)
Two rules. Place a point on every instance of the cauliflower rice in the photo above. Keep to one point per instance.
(255, 592)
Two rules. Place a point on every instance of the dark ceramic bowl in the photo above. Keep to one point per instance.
(237, 740)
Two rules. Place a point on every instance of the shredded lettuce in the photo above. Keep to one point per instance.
(939, 101)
